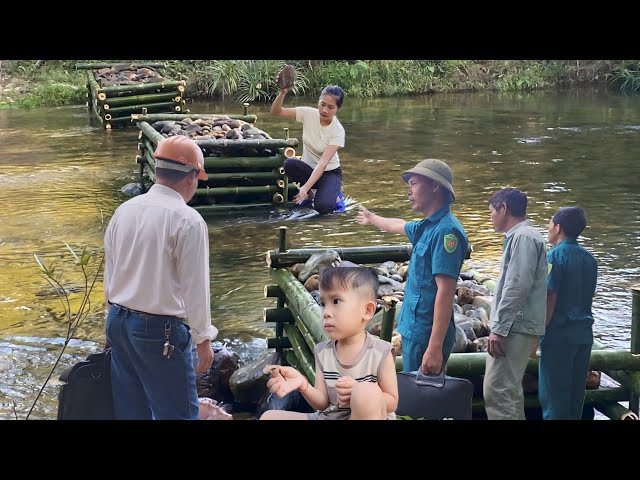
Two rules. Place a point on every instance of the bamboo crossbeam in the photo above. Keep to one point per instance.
(95, 87)
(142, 87)
(175, 97)
(85, 66)
(236, 191)
(469, 364)
(155, 117)
(278, 315)
(615, 411)
(302, 353)
(243, 176)
(223, 143)
(127, 109)
(220, 164)
(592, 397)
(301, 301)
(231, 208)
(360, 255)
(628, 379)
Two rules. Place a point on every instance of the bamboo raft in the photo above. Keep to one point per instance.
(298, 328)
(113, 105)
(244, 174)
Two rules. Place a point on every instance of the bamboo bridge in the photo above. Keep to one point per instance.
(298, 328)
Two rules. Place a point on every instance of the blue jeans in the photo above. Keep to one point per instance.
(327, 187)
(147, 385)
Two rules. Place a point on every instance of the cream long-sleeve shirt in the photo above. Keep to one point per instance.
(157, 259)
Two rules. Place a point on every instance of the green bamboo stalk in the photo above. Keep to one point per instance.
(592, 397)
(95, 87)
(469, 364)
(378, 254)
(628, 379)
(93, 66)
(252, 177)
(277, 315)
(231, 208)
(273, 291)
(143, 87)
(175, 97)
(301, 301)
(194, 116)
(223, 143)
(386, 327)
(236, 191)
(298, 345)
(127, 109)
(304, 331)
(222, 164)
(150, 132)
(282, 238)
(615, 411)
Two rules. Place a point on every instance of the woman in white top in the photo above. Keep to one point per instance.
(322, 136)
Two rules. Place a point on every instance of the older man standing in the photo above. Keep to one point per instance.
(519, 305)
(439, 248)
(156, 284)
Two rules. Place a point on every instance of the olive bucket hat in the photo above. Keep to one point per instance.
(435, 170)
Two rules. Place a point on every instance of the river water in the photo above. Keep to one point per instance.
(60, 172)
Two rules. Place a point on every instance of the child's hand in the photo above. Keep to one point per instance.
(344, 385)
(283, 379)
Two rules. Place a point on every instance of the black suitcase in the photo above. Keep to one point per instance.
(86, 394)
(448, 398)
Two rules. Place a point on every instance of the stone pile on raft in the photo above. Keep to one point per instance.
(116, 91)
(471, 306)
(244, 164)
(213, 127)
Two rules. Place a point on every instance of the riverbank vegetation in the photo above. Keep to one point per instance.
(53, 82)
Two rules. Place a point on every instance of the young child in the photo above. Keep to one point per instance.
(565, 348)
(355, 371)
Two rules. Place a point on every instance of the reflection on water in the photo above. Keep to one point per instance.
(58, 172)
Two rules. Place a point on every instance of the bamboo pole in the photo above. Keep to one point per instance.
(223, 143)
(231, 208)
(154, 117)
(95, 87)
(235, 191)
(302, 353)
(221, 164)
(628, 379)
(142, 87)
(591, 397)
(150, 132)
(615, 411)
(127, 109)
(386, 327)
(93, 66)
(277, 315)
(378, 254)
(279, 343)
(634, 398)
(142, 99)
(301, 301)
(253, 177)
(469, 364)
(282, 239)
(306, 334)
(245, 108)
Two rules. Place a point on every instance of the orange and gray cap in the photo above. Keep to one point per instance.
(436, 170)
(180, 153)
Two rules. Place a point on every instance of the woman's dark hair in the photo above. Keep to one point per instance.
(512, 198)
(572, 221)
(336, 91)
(349, 278)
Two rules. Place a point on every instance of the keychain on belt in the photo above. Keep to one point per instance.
(168, 348)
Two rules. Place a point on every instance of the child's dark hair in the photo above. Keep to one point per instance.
(514, 199)
(336, 91)
(572, 221)
(335, 278)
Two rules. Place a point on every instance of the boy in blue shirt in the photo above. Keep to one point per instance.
(565, 348)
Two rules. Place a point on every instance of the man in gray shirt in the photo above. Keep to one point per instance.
(519, 305)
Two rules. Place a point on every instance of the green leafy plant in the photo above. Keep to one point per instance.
(75, 319)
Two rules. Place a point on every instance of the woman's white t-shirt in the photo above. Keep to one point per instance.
(315, 137)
